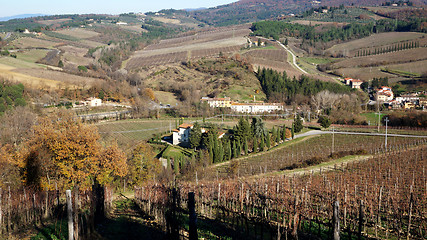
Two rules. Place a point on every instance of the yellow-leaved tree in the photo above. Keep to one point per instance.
(66, 151)
(142, 164)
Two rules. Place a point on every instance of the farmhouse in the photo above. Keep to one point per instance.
(256, 107)
(353, 83)
(182, 134)
(217, 102)
(92, 102)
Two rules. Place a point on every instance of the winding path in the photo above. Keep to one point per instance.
(294, 61)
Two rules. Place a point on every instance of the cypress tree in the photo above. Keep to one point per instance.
(216, 151)
(228, 150)
(235, 150)
(284, 133)
(268, 142)
(210, 150)
(273, 135)
(255, 149)
(220, 157)
(245, 146)
(293, 131)
(239, 148)
(262, 144)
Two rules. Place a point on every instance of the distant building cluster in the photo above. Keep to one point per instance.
(408, 101)
(255, 107)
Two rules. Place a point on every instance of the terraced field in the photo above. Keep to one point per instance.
(195, 46)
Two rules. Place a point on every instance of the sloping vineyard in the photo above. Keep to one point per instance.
(382, 198)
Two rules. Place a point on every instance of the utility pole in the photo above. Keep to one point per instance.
(333, 139)
(386, 121)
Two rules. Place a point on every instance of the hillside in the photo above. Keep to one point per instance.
(245, 11)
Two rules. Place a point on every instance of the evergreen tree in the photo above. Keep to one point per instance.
(257, 127)
(273, 135)
(243, 129)
(262, 145)
(216, 151)
(211, 152)
(298, 124)
(235, 150)
(293, 131)
(245, 146)
(227, 150)
(255, 148)
(239, 148)
(220, 157)
(284, 133)
(286, 42)
(267, 141)
(324, 121)
(195, 136)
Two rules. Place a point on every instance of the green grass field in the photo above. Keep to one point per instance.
(32, 55)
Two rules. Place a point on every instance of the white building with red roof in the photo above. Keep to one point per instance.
(384, 94)
(182, 134)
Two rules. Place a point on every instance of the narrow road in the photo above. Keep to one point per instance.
(294, 58)
(294, 61)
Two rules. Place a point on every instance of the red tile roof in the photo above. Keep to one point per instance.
(185, 125)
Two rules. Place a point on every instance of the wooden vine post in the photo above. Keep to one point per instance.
(410, 214)
(361, 216)
(70, 215)
(193, 217)
(336, 221)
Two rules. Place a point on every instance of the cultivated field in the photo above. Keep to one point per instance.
(368, 67)
(364, 74)
(19, 63)
(54, 21)
(129, 132)
(417, 54)
(29, 42)
(75, 55)
(419, 67)
(135, 28)
(32, 55)
(314, 23)
(167, 20)
(199, 45)
(8, 73)
(60, 78)
(377, 40)
(166, 97)
(78, 33)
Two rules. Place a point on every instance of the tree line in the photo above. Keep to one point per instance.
(279, 86)
(276, 29)
(387, 49)
(244, 138)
